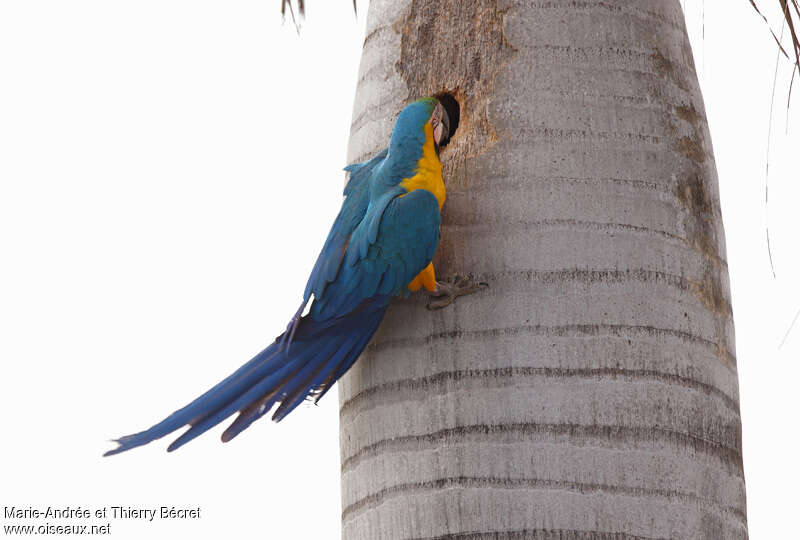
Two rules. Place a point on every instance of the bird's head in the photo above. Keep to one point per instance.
(410, 125)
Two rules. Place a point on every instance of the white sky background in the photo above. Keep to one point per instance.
(168, 172)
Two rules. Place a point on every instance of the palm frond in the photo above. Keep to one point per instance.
(789, 8)
(301, 8)
(791, 15)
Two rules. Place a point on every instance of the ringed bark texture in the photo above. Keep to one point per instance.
(591, 391)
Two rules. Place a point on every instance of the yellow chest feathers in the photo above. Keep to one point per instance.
(429, 170)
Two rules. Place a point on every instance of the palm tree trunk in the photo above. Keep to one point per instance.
(592, 391)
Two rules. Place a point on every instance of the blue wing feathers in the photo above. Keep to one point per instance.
(408, 234)
(354, 207)
(394, 229)
(360, 172)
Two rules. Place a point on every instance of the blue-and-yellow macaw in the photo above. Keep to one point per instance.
(381, 245)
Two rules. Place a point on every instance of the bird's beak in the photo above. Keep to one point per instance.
(441, 133)
(444, 129)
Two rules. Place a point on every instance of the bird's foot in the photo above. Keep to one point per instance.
(447, 291)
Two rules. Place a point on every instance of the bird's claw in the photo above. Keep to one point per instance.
(447, 291)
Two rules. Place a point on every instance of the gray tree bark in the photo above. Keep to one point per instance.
(592, 391)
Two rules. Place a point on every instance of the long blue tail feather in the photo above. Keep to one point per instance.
(267, 385)
(260, 407)
(345, 364)
(321, 352)
(299, 394)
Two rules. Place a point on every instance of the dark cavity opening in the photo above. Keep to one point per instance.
(453, 110)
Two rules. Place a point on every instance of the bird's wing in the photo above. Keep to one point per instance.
(353, 209)
(396, 240)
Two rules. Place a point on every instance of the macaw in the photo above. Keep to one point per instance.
(380, 246)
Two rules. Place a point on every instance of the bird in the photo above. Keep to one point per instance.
(381, 246)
